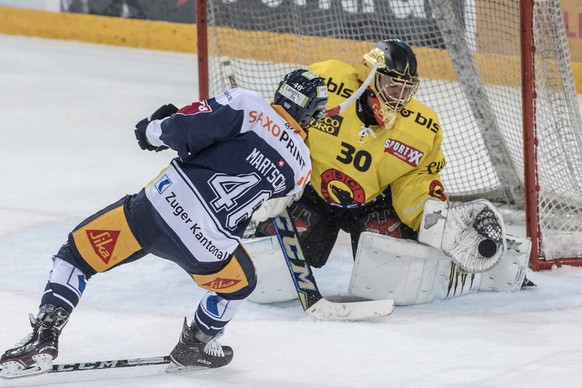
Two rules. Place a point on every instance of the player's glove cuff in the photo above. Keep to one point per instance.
(141, 127)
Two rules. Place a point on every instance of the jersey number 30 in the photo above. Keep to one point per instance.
(361, 159)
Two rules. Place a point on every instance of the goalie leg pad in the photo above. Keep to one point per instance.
(274, 283)
(402, 270)
(471, 233)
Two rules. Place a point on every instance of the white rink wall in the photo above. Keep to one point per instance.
(44, 5)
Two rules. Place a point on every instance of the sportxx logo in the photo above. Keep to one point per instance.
(103, 242)
(220, 283)
(406, 153)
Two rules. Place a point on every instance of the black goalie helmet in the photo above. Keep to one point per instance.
(303, 95)
(396, 79)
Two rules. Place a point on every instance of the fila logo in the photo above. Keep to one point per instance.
(103, 242)
(220, 283)
(403, 152)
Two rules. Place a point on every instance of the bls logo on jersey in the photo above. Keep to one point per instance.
(420, 119)
(330, 125)
(340, 89)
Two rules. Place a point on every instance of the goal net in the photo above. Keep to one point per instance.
(470, 63)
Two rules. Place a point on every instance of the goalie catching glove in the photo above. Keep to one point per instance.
(472, 234)
(141, 127)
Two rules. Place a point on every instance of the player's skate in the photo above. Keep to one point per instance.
(193, 352)
(34, 354)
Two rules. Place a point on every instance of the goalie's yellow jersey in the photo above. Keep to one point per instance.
(352, 166)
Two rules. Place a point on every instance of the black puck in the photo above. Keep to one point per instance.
(487, 248)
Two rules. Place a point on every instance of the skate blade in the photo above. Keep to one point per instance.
(175, 368)
(13, 369)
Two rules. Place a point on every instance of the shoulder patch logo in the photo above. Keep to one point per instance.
(437, 190)
(196, 107)
(103, 242)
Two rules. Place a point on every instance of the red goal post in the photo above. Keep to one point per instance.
(498, 73)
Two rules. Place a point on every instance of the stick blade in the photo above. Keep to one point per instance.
(353, 311)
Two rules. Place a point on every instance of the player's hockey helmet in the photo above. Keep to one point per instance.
(396, 79)
(303, 95)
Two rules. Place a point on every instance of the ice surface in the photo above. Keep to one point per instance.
(67, 149)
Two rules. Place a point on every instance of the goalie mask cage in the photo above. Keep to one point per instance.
(498, 73)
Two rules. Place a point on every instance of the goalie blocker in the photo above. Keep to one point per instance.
(407, 271)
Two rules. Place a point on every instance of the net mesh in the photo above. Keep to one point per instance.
(469, 63)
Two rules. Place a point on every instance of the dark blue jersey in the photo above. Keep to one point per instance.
(235, 152)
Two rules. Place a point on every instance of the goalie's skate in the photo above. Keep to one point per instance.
(34, 354)
(193, 354)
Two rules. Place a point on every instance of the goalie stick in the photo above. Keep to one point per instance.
(311, 299)
(228, 72)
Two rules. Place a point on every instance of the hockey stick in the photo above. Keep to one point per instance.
(95, 365)
(228, 72)
(311, 299)
(110, 364)
(350, 100)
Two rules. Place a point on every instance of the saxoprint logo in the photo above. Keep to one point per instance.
(163, 184)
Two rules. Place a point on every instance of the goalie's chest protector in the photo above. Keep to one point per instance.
(352, 166)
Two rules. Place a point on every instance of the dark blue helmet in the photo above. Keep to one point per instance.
(303, 95)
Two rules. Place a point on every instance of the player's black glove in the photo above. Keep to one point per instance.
(140, 128)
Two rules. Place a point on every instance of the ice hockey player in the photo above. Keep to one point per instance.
(235, 151)
(375, 166)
